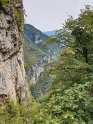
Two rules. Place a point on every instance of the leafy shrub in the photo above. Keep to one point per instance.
(14, 114)
(72, 106)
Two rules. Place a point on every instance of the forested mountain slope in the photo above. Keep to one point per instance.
(34, 44)
(38, 52)
(37, 44)
(34, 34)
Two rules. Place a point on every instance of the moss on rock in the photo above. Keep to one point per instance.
(4, 2)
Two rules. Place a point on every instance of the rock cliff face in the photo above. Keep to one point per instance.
(12, 74)
(35, 71)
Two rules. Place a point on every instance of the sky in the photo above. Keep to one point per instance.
(47, 15)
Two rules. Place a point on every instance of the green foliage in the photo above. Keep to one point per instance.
(17, 114)
(4, 2)
(71, 95)
(35, 52)
(19, 18)
(42, 86)
(32, 53)
(19, 14)
(72, 106)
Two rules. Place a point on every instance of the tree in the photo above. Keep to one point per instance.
(70, 100)
(76, 60)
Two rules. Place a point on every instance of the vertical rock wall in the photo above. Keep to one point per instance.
(12, 74)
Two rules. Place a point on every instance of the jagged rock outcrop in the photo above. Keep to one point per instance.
(35, 71)
(12, 73)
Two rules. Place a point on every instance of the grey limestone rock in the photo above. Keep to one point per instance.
(12, 73)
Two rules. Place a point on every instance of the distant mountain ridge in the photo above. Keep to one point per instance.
(34, 34)
(37, 53)
(32, 53)
(36, 46)
(50, 33)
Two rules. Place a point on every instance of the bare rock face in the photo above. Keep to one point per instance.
(12, 73)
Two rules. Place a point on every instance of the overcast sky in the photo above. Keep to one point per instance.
(48, 15)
